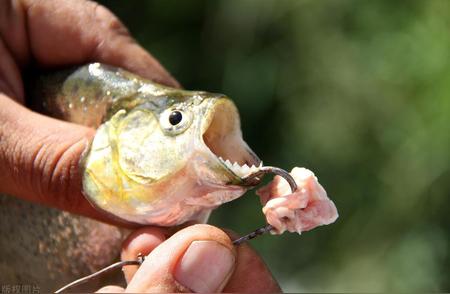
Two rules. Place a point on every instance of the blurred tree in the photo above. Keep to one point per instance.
(357, 91)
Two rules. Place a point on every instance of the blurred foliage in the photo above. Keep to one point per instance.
(357, 91)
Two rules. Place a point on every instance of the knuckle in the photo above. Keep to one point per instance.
(108, 20)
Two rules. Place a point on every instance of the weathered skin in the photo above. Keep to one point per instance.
(140, 167)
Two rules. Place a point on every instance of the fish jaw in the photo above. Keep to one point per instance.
(222, 146)
(222, 161)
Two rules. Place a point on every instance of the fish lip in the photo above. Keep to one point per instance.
(221, 134)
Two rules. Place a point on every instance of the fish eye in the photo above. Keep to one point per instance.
(175, 117)
(175, 121)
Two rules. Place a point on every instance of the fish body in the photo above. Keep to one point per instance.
(160, 156)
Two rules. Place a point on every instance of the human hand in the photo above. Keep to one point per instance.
(39, 155)
(199, 258)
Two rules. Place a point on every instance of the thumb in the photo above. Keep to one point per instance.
(39, 158)
(199, 258)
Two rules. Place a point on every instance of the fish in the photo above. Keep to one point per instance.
(160, 156)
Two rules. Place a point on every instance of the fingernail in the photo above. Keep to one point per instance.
(111, 289)
(205, 266)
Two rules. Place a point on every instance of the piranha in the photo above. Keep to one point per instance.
(161, 156)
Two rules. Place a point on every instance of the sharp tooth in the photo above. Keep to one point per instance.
(228, 163)
(245, 169)
(236, 165)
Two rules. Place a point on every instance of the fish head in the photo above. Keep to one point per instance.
(169, 160)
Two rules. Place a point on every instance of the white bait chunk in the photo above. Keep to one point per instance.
(301, 211)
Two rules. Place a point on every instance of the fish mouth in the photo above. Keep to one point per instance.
(223, 137)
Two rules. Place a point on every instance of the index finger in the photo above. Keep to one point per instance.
(58, 33)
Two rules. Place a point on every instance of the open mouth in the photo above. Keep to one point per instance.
(223, 137)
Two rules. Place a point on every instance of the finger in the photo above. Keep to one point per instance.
(199, 258)
(39, 158)
(110, 289)
(10, 79)
(13, 30)
(74, 32)
(140, 242)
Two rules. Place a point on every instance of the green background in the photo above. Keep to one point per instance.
(357, 91)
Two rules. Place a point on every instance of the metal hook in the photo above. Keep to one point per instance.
(257, 176)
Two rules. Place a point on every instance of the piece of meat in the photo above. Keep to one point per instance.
(303, 210)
